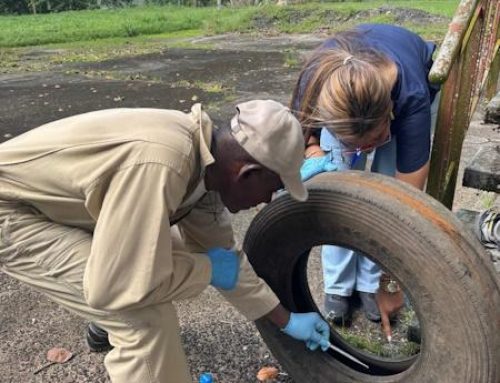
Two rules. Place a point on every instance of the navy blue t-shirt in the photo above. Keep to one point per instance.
(412, 94)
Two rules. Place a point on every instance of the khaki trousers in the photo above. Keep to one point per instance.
(51, 258)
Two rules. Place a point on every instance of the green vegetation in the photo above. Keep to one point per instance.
(16, 31)
(487, 200)
(367, 342)
(291, 58)
(129, 24)
(209, 87)
(367, 336)
(313, 16)
(97, 35)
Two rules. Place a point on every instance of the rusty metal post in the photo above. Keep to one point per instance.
(492, 79)
(461, 65)
(491, 76)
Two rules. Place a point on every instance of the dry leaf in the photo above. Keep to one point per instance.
(267, 373)
(55, 355)
(59, 355)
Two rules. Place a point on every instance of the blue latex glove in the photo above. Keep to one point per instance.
(225, 268)
(316, 165)
(310, 328)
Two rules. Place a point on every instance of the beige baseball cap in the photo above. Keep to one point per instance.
(270, 133)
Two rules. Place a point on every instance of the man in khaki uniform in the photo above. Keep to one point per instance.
(87, 208)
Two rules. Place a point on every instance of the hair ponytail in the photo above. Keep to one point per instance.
(346, 88)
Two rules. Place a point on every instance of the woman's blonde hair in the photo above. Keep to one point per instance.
(347, 88)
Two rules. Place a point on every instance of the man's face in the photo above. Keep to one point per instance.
(250, 188)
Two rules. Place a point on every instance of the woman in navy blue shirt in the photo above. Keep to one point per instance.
(366, 91)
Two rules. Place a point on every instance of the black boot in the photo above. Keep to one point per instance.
(370, 306)
(413, 333)
(97, 338)
(338, 309)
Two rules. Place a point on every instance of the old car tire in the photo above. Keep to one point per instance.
(443, 268)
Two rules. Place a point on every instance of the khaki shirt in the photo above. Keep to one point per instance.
(127, 175)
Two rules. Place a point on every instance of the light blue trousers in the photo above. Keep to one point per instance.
(345, 270)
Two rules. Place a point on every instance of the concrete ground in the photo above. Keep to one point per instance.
(216, 337)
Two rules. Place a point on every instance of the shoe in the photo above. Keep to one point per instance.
(413, 333)
(488, 229)
(97, 339)
(338, 309)
(370, 306)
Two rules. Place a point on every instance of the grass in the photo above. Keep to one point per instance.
(367, 336)
(291, 59)
(208, 87)
(487, 200)
(170, 21)
(92, 36)
(18, 31)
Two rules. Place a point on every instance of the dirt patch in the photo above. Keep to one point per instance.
(175, 79)
(332, 19)
(46, 98)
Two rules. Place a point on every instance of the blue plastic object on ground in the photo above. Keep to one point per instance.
(206, 377)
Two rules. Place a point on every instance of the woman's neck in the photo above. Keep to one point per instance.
(391, 74)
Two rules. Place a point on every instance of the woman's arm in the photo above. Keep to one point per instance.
(313, 150)
(416, 178)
